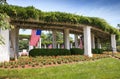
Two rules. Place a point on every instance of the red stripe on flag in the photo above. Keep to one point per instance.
(34, 38)
(50, 46)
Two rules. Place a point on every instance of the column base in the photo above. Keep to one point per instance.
(89, 55)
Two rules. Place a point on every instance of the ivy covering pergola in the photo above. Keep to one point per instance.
(32, 18)
(27, 13)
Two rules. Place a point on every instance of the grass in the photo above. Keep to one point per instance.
(107, 68)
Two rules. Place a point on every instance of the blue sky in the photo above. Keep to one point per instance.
(106, 9)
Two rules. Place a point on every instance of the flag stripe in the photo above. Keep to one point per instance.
(34, 38)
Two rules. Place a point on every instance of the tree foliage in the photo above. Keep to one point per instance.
(31, 12)
(3, 2)
(4, 24)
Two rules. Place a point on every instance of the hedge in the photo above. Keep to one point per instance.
(76, 51)
(49, 52)
(97, 51)
(58, 52)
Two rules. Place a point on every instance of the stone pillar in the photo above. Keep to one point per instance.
(39, 43)
(66, 39)
(113, 43)
(76, 41)
(54, 39)
(5, 48)
(30, 47)
(12, 43)
(98, 44)
(14, 39)
(87, 41)
(16, 42)
(71, 45)
(45, 46)
(58, 45)
(93, 41)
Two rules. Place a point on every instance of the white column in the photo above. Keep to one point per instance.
(93, 41)
(98, 44)
(14, 34)
(54, 39)
(16, 42)
(30, 47)
(71, 45)
(87, 41)
(39, 43)
(76, 41)
(58, 45)
(113, 43)
(66, 39)
(45, 46)
(5, 48)
(12, 43)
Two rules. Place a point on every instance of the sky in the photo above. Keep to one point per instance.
(106, 9)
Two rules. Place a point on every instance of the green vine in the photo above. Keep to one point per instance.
(4, 25)
(31, 12)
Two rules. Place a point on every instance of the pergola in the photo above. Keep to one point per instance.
(10, 48)
(89, 32)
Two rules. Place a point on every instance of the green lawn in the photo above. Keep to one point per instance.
(106, 68)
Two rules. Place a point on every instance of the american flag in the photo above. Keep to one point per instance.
(50, 46)
(62, 46)
(35, 36)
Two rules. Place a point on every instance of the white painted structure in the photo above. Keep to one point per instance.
(71, 45)
(54, 42)
(87, 41)
(93, 41)
(76, 41)
(113, 43)
(10, 48)
(98, 44)
(66, 39)
(58, 45)
(5, 48)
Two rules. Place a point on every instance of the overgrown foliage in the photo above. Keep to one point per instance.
(76, 51)
(4, 24)
(30, 12)
(97, 51)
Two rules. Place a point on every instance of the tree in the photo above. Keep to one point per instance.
(3, 2)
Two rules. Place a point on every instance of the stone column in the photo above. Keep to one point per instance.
(30, 47)
(66, 39)
(16, 43)
(76, 41)
(39, 43)
(58, 45)
(54, 39)
(5, 48)
(113, 43)
(45, 46)
(71, 45)
(87, 41)
(14, 39)
(93, 41)
(98, 44)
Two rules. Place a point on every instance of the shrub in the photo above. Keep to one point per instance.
(76, 51)
(97, 51)
(49, 52)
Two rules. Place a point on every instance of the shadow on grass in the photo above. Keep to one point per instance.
(4, 77)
